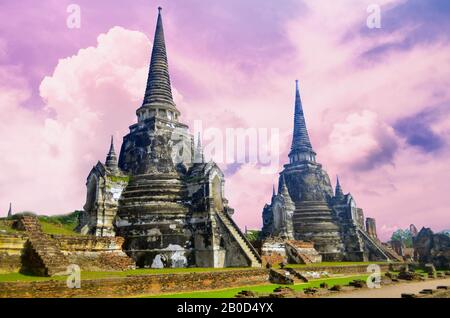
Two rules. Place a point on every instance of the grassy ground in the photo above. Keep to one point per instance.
(12, 277)
(18, 277)
(58, 224)
(58, 228)
(267, 288)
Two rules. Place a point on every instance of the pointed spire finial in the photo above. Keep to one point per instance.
(301, 149)
(111, 159)
(284, 191)
(338, 192)
(111, 147)
(158, 90)
(10, 210)
(198, 156)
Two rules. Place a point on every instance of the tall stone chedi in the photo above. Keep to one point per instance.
(306, 208)
(161, 197)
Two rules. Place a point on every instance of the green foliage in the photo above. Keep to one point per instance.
(252, 235)
(404, 236)
(25, 213)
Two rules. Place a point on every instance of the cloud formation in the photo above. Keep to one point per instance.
(89, 97)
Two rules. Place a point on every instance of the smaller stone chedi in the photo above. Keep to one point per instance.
(305, 208)
(159, 194)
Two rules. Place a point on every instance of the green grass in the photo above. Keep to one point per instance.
(86, 275)
(60, 224)
(19, 277)
(263, 289)
(58, 228)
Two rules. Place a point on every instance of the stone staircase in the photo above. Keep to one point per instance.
(243, 242)
(298, 277)
(286, 276)
(47, 254)
(302, 253)
(393, 254)
(387, 252)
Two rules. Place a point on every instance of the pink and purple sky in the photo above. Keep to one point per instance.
(377, 101)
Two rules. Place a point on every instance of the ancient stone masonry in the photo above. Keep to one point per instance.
(306, 208)
(42, 255)
(161, 196)
(27, 249)
(371, 228)
(276, 251)
(11, 250)
(432, 248)
(93, 253)
(143, 285)
(105, 185)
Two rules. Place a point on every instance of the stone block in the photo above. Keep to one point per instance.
(336, 288)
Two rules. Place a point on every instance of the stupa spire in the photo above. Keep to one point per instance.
(199, 158)
(111, 158)
(10, 210)
(338, 192)
(301, 149)
(158, 89)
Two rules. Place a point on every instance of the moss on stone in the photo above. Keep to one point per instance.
(124, 179)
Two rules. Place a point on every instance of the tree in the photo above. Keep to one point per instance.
(404, 236)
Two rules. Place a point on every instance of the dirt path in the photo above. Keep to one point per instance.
(394, 291)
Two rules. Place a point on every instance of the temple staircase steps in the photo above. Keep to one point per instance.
(298, 277)
(388, 253)
(53, 261)
(243, 242)
(393, 254)
(289, 275)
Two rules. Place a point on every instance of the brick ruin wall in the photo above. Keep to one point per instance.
(95, 253)
(11, 248)
(138, 285)
(158, 284)
(89, 252)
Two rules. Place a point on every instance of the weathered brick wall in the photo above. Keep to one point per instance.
(93, 253)
(89, 252)
(89, 243)
(137, 285)
(11, 246)
(344, 269)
